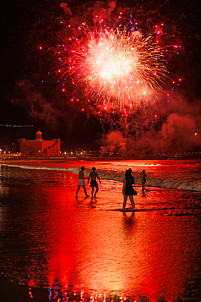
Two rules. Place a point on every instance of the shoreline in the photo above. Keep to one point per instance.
(154, 180)
(190, 156)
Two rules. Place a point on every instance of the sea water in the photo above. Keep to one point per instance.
(171, 174)
(56, 247)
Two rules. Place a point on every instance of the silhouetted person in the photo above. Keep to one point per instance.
(143, 180)
(81, 182)
(128, 189)
(93, 176)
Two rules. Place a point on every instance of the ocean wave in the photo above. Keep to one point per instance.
(167, 183)
(153, 180)
(36, 167)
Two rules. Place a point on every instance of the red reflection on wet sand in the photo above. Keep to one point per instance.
(108, 251)
(88, 244)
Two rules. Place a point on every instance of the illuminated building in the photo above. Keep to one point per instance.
(39, 146)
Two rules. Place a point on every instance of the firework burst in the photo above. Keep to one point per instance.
(113, 69)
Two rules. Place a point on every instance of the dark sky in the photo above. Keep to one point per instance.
(17, 20)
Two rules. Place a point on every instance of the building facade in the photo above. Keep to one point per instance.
(40, 147)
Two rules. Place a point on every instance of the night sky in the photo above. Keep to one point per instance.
(19, 63)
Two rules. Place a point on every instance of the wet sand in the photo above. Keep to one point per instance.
(54, 246)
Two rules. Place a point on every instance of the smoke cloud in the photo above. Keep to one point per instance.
(113, 143)
(50, 111)
(179, 130)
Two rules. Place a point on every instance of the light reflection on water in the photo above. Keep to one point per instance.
(81, 248)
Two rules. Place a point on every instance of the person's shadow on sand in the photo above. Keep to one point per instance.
(93, 202)
(80, 202)
(128, 221)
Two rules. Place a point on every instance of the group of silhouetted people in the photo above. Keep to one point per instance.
(128, 185)
(93, 176)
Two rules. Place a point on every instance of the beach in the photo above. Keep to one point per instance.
(55, 247)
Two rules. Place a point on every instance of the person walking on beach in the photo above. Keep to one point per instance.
(93, 175)
(143, 180)
(81, 182)
(128, 190)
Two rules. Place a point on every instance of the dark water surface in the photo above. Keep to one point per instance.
(55, 247)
